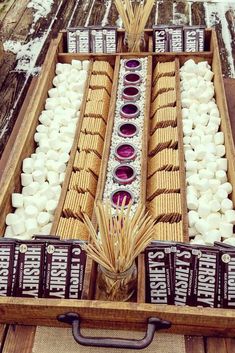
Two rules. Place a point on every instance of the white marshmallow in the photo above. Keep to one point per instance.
(28, 200)
(203, 209)
(226, 205)
(219, 138)
(221, 194)
(198, 241)
(39, 176)
(31, 225)
(221, 176)
(61, 178)
(43, 218)
(53, 178)
(191, 165)
(51, 206)
(214, 220)
(222, 164)
(230, 216)
(192, 232)
(192, 218)
(17, 200)
(192, 202)
(11, 219)
(40, 202)
(46, 229)
(8, 232)
(85, 64)
(18, 227)
(230, 241)
(31, 211)
(28, 165)
(214, 205)
(26, 179)
(202, 226)
(220, 150)
(211, 236)
(226, 230)
(214, 184)
(31, 189)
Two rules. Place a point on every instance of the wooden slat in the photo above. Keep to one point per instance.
(165, 12)
(230, 17)
(19, 339)
(3, 332)
(216, 345)
(198, 13)
(194, 344)
(181, 15)
(80, 16)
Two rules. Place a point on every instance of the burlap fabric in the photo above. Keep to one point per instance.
(57, 340)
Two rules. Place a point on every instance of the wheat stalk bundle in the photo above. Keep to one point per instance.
(121, 237)
(134, 14)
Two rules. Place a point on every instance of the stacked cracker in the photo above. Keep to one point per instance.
(84, 178)
(163, 185)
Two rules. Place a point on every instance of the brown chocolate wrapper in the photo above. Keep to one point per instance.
(7, 254)
(110, 39)
(46, 237)
(205, 292)
(97, 40)
(194, 38)
(159, 273)
(160, 39)
(30, 269)
(227, 257)
(185, 269)
(57, 270)
(175, 38)
(82, 40)
(77, 272)
(71, 40)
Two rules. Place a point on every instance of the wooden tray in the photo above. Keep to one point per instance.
(93, 313)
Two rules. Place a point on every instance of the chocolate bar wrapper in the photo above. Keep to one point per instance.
(46, 237)
(7, 254)
(57, 270)
(15, 277)
(97, 40)
(30, 269)
(71, 40)
(161, 43)
(185, 269)
(227, 257)
(110, 39)
(175, 38)
(77, 272)
(207, 277)
(82, 40)
(194, 38)
(159, 274)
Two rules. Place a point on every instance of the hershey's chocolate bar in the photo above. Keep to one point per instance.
(15, 277)
(110, 39)
(175, 38)
(46, 237)
(185, 268)
(227, 257)
(159, 274)
(30, 270)
(97, 40)
(7, 254)
(194, 38)
(160, 39)
(57, 269)
(207, 277)
(82, 40)
(71, 40)
(78, 264)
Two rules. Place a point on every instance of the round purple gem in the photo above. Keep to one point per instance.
(133, 64)
(125, 151)
(119, 196)
(128, 129)
(124, 172)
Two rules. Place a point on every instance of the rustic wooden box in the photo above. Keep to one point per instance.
(94, 313)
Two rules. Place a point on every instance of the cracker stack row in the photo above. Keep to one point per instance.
(163, 184)
(82, 186)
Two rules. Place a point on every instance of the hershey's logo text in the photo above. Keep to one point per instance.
(206, 279)
(157, 277)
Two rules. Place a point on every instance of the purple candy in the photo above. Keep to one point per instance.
(124, 174)
(129, 110)
(126, 151)
(133, 64)
(127, 130)
(132, 79)
(131, 93)
(119, 195)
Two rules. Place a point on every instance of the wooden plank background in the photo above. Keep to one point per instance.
(16, 24)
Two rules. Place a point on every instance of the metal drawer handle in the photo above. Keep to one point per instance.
(154, 324)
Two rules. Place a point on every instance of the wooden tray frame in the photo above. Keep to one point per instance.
(185, 320)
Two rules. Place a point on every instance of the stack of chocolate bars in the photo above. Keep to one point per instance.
(95, 39)
(42, 268)
(184, 274)
(177, 38)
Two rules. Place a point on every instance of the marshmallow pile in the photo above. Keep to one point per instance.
(135, 186)
(211, 215)
(44, 171)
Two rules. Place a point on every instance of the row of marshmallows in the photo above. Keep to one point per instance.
(44, 171)
(211, 215)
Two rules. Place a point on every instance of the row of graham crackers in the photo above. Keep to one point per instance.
(84, 178)
(163, 184)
